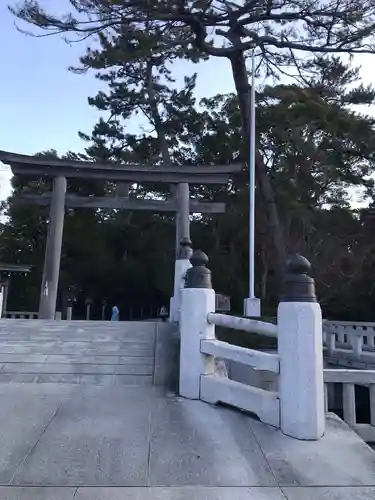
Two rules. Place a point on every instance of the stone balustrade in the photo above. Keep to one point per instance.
(346, 381)
(351, 344)
(298, 405)
(20, 315)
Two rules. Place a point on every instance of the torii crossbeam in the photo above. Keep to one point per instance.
(62, 169)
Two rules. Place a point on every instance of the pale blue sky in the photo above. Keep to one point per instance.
(43, 105)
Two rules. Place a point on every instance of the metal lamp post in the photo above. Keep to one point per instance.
(252, 304)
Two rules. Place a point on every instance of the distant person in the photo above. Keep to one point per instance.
(115, 313)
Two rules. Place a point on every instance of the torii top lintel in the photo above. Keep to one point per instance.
(172, 174)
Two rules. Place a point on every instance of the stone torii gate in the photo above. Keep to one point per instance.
(122, 175)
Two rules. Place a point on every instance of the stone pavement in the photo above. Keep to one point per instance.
(80, 418)
(61, 441)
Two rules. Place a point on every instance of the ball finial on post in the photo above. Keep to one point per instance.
(300, 350)
(197, 301)
(198, 276)
(298, 286)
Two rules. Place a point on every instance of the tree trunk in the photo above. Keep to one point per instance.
(264, 271)
(179, 191)
(158, 123)
(243, 94)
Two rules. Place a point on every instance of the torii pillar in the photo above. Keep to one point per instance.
(51, 270)
(182, 214)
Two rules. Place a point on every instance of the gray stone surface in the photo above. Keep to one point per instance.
(22, 422)
(79, 353)
(132, 380)
(340, 458)
(14, 358)
(77, 368)
(186, 493)
(167, 351)
(73, 392)
(139, 443)
(56, 378)
(20, 378)
(30, 493)
(92, 426)
(89, 443)
(332, 493)
(195, 444)
(179, 493)
(81, 358)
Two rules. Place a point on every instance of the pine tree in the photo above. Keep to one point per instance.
(282, 33)
(141, 84)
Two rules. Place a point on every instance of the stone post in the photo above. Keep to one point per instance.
(181, 265)
(181, 193)
(70, 300)
(51, 270)
(88, 303)
(184, 210)
(252, 307)
(197, 301)
(299, 325)
(104, 306)
(3, 308)
(69, 313)
(2, 288)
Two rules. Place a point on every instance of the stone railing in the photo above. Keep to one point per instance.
(244, 324)
(350, 343)
(26, 315)
(20, 315)
(298, 405)
(340, 384)
(214, 389)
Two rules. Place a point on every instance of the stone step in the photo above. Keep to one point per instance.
(79, 368)
(24, 328)
(83, 352)
(76, 359)
(116, 372)
(74, 378)
(78, 352)
(107, 325)
(120, 336)
(91, 350)
(84, 344)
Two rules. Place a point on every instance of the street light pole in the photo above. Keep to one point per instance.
(252, 304)
(252, 182)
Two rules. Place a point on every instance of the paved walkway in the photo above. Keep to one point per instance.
(59, 442)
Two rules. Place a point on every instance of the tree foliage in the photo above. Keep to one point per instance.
(278, 27)
(282, 34)
(315, 147)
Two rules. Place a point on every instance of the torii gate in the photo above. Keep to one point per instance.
(122, 175)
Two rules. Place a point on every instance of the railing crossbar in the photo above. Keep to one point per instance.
(245, 324)
(256, 359)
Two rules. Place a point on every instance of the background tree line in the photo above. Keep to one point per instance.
(314, 148)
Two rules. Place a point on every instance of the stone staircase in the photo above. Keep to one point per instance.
(83, 352)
